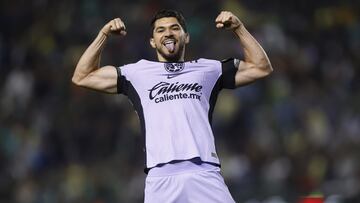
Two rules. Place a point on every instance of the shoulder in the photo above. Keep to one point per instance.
(209, 61)
(222, 64)
(130, 68)
(133, 65)
(208, 64)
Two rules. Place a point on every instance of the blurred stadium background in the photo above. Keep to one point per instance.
(292, 134)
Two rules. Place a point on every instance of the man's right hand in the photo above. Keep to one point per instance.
(115, 26)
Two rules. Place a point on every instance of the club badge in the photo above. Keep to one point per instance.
(174, 67)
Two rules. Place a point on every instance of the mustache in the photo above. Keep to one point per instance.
(170, 37)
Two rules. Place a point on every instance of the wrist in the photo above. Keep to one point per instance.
(239, 30)
(104, 33)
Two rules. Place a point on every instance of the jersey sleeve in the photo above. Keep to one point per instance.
(122, 86)
(229, 69)
(123, 79)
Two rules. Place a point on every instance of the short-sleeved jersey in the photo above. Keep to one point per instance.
(175, 102)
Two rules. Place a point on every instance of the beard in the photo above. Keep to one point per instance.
(172, 57)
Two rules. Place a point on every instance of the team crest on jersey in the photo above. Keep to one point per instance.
(174, 67)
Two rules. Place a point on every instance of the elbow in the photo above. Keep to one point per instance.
(266, 69)
(76, 80)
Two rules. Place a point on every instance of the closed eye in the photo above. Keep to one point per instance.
(159, 30)
(175, 27)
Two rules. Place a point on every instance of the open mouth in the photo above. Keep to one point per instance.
(170, 44)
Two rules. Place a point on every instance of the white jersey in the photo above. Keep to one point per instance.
(175, 102)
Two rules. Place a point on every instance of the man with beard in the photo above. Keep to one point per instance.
(174, 100)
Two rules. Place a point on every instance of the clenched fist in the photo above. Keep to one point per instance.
(228, 21)
(115, 26)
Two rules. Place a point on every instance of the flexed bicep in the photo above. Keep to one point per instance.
(256, 64)
(248, 73)
(103, 79)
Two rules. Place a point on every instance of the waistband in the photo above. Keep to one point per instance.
(185, 166)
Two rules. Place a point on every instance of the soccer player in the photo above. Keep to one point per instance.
(174, 100)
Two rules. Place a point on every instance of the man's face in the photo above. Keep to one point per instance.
(169, 39)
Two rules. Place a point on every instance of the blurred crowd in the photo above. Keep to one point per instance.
(292, 134)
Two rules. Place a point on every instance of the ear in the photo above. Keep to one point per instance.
(187, 38)
(152, 43)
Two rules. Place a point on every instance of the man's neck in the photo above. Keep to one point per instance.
(162, 59)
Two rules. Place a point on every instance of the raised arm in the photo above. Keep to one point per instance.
(256, 64)
(88, 72)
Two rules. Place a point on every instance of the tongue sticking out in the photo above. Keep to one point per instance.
(170, 46)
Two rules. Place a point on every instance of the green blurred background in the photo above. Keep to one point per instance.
(292, 134)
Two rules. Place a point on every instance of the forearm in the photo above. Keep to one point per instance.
(253, 52)
(90, 60)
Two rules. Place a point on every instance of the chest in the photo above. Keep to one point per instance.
(186, 82)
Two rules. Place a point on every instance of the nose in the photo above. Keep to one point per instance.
(168, 33)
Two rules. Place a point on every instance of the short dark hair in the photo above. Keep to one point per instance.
(169, 13)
